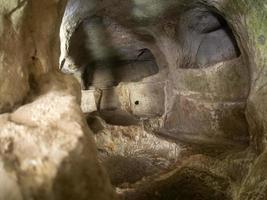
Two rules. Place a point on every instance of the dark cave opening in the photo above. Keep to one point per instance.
(130, 66)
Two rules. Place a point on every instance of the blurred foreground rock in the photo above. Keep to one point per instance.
(46, 148)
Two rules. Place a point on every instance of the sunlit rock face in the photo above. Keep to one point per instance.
(47, 151)
(185, 72)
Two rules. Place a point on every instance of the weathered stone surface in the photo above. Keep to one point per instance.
(13, 71)
(201, 90)
(130, 153)
(254, 186)
(212, 93)
(48, 150)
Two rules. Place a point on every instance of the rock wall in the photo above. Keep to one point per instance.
(46, 147)
(202, 89)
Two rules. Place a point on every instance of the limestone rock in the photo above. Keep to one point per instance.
(46, 148)
(193, 72)
(13, 61)
(47, 151)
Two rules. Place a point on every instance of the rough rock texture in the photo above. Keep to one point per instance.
(211, 57)
(197, 95)
(188, 93)
(14, 88)
(46, 148)
(130, 153)
(29, 46)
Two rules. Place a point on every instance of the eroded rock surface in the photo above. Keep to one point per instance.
(208, 91)
(49, 150)
(174, 92)
(46, 148)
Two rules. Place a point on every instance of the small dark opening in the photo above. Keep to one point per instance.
(136, 102)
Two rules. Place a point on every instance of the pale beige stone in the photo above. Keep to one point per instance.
(50, 149)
